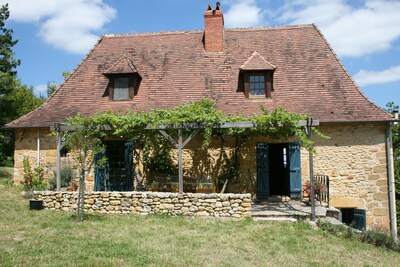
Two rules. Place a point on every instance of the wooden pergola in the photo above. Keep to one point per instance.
(183, 141)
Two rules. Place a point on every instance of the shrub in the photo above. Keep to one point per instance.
(67, 174)
(375, 237)
(33, 179)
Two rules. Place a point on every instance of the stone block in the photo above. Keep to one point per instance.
(380, 212)
(381, 196)
(346, 202)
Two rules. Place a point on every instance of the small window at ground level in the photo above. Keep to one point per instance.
(121, 88)
(355, 218)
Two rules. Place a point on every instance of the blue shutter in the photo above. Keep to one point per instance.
(262, 171)
(359, 221)
(129, 166)
(101, 173)
(295, 170)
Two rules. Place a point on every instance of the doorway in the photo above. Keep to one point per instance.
(278, 170)
(117, 173)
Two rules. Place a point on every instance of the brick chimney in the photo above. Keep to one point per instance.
(214, 29)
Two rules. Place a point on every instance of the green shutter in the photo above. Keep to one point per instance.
(295, 170)
(360, 219)
(129, 166)
(101, 174)
(262, 171)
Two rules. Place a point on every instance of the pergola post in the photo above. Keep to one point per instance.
(180, 160)
(311, 162)
(58, 161)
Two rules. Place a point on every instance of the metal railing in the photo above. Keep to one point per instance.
(322, 183)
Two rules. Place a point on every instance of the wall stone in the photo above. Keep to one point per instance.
(186, 204)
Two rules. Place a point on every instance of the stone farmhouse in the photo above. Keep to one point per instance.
(292, 67)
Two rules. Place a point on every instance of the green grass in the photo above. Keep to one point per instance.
(53, 238)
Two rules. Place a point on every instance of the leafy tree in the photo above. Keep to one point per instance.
(15, 99)
(13, 105)
(84, 144)
(53, 86)
(7, 61)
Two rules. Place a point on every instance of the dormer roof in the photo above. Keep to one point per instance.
(122, 66)
(257, 62)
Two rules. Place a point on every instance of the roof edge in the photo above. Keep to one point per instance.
(8, 125)
(345, 70)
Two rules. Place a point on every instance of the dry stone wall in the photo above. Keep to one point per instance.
(186, 204)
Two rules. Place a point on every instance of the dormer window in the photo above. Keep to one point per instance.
(258, 84)
(121, 88)
(256, 77)
(124, 80)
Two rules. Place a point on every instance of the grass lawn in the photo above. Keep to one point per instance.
(53, 238)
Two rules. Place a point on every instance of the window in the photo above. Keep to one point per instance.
(121, 89)
(258, 84)
(355, 218)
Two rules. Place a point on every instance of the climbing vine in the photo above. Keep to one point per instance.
(278, 124)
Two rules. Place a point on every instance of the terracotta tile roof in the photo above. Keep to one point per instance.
(175, 69)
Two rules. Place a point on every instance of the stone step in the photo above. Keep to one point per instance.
(275, 219)
(274, 213)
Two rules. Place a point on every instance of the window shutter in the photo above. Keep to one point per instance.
(129, 165)
(101, 173)
(268, 84)
(262, 171)
(295, 169)
(360, 219)
(131, 86)
(246, 86)
(111, 88)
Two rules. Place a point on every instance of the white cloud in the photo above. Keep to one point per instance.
(366, 77)
(71, 25)
(243, 13)
(353, 30)
(40, 90)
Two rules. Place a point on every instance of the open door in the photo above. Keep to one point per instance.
(262, 171)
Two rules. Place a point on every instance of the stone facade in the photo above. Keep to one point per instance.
(186, 204)
(26, 145)
(354, 158)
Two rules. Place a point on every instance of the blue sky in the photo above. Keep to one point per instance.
(55, 35)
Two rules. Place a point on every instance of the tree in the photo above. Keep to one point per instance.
(53, 86)
(18, 102)
(7, 61)
(15, 99)
(84, 144)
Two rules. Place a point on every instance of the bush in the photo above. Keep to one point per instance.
(67, 174)
(379, 239)
(375, 237)
(33, 179)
